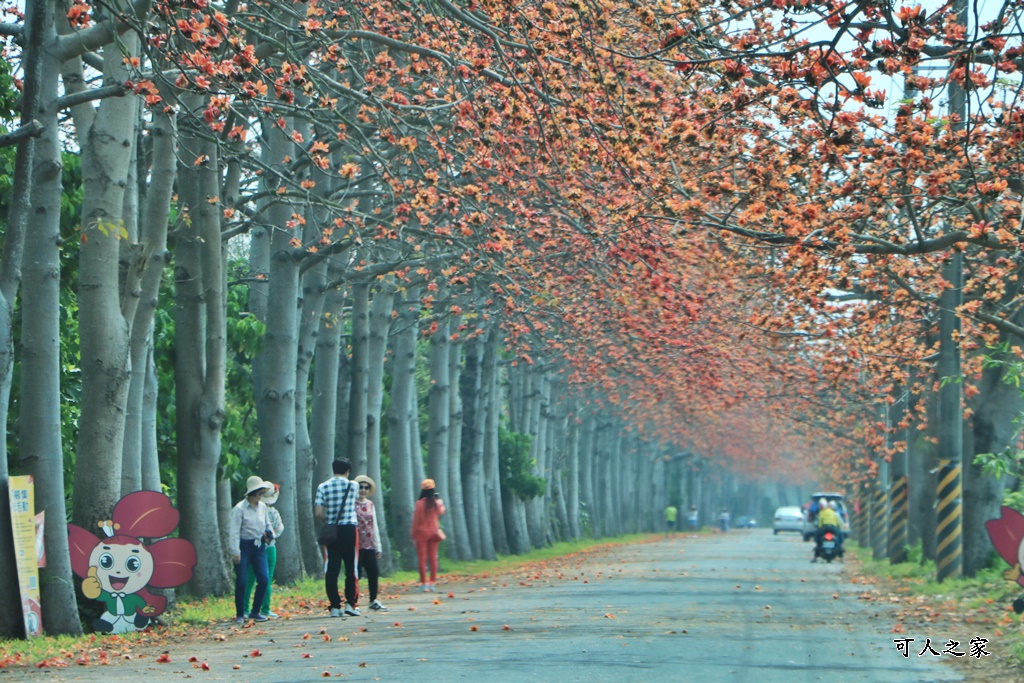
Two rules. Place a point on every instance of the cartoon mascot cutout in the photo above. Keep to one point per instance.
(1007, 534)
(118, 568)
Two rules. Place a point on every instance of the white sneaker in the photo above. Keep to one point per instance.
(336, 612)
(430, 587)
(271, 615)
(425, 588)
(352, 611)
(375, 605)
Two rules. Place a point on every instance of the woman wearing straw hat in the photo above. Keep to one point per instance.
(369, 539)
(248, 534)
(426, 531)
(277, 526)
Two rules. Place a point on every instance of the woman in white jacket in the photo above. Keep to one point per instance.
(369, 539)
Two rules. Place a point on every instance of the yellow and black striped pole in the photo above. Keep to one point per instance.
(898, 509)
(879, 523)
(862, 528)
(948, 559)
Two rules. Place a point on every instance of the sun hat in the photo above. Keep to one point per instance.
(271, 496)
(363, 479)
(427, 484)
(254, 484)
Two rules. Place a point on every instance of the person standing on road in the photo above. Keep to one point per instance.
(277, 526)
(335, 503)
(694, 518)
(249, 532)
(369, 539)
(670, 519)
(426, 532)
(723, 520)
(828, 517)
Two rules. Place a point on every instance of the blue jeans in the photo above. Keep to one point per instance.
(256, 557)
(250, 581)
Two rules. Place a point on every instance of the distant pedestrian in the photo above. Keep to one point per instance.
(249, 531)
(426, 532)
(335, 506)
(369, 539)
(277, 526)
(723, 520)
(693, 518)
(671, 513)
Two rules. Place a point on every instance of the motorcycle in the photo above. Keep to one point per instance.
(830, 544)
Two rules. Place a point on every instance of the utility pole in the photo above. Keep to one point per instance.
(949, 529)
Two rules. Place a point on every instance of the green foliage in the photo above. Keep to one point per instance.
(239, 435)
(517, 465)
(9, 96)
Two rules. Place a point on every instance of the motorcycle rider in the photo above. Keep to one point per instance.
(828, 517)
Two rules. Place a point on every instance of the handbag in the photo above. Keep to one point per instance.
(439, 535)
(329, 532)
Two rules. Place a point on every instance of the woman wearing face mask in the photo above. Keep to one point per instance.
(369, 539)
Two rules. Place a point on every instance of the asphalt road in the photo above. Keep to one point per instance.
(741, 606)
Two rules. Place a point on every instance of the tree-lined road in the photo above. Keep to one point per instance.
(743, 606)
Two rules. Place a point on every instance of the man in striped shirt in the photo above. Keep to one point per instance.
(336, 504)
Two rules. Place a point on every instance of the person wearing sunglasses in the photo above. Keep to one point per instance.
(369, 539)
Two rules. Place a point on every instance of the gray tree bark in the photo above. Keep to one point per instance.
(492, 405)
(326, 364)
(39, 19)
(381, 308)
(40, 420)
(473, 431)
(140, 430)
(463, 548)
(106, 137)
(276, 389)
(400, 413)
(200, 333)
(439, 410)
(358, 368)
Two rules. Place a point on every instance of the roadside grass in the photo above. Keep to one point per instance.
(984, 600)
(190, 616)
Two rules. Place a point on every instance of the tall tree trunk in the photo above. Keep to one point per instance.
(313, 294)
(439, 407)
(491, 406)
(586, 455)
(40, 399)
(572, 490)
(107, 138)
(381, 308)
(326, 361)
(463, 548)
(277, 391)
(150, 452)
(358, 367)
(472, 457)
(403, 390)
(557, 433)
(200, 333)
(140, 435)
(536, 398)
(38, 18)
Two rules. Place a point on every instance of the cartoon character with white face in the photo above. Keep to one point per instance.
(118, 569)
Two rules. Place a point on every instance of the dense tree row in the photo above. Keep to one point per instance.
(552, 255)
